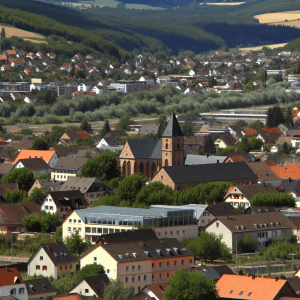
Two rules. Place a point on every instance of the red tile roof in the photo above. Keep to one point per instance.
(249, 287)
(8, 276)
(229, 190)
(46, 155)
(82, 134)
(11, 52)
(295, 112)
(3, 57)
(237, 158)
(286, 172)
(250, 131)
(273, 130)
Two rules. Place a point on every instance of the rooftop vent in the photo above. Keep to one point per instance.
(55, 254)
(237, 227)
(168, 251)
(158, 252)
(120, 256)
(243, 227)
(31, 287)
(44, 287)
(135, 254)
(147, 253)
(278, 223)
(176, 250)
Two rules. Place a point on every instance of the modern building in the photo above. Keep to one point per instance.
(129, 86)
(166, 222)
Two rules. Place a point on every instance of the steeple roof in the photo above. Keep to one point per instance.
(173, 129)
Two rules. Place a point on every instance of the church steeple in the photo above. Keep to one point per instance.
(172, 144)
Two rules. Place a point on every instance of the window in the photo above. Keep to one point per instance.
(159, 234)
(13, 292)
(37, 267)
(139, 278)
(145, 277)
(133, 278)
(139, 288)
(126, 279)
(139, 267)
(41, 257)
(69, 229)
(21, 291)
(217, 224)
(160, 264)
(177, 231)
(74, 229)
(70, 266)
(168, 264)
(70, 221)
(60, 267)
(152, 276)
(160, 276)
(44, 268)
(183, 231)
(86, 291)
(74, 222)
(175, 263)
(168, 275)
(66, 267)
(79, 222)
(152, 265)
(241, 292)
(171, 232)
(108, 271)
(127, 269)
(133, 268)
(191, 261)
(95, 259)
(182, 262)
(166, 233)
(79, 230)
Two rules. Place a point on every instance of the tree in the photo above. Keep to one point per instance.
(162, 121)
(115, 290)
(256, 144)
(83, 141)
(241, 124)
(15, 196)
(190, 285)
(3, 36)
(32, 222)
(212, 81)
(289, 117)
(104, 166)
(76, 244)
(286, 149)
(275, 116)
(90, 270)
(187, 129)
(247, 244)
(273, 199)
(23, 177)
(209, 146)
(49, 222)
(264, 76)
(38, 195)
(39, 143)
(105, 129)
(240, 209)
(249, 87)
(243, 145)
(5, 44)
(86, 126)
(257, 125)
(124, 122)
(297, 68)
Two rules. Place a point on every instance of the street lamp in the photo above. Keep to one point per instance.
(11, 245)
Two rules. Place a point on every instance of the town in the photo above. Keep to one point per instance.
(204, 203)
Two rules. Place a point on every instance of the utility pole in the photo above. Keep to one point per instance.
(257, 264)
(237, 262)
(293, 255)
(269, 267)
(11, 246)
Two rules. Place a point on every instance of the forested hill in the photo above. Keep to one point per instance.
(293, 46)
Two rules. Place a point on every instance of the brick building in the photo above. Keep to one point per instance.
(149, 156)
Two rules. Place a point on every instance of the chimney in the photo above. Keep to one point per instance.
(253, 276)
(227, 217)
(217, 161)
(276, 278)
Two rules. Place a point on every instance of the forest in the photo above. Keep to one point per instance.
(111, 105)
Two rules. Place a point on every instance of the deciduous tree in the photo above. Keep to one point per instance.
(117, 291)
(76, 244)
(22, 176)
(39, 143)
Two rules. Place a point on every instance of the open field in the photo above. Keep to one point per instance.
(35, 41)
(295, 23)
(11, 31)
(227, 4)
(256, 48)
(278, 17)
(142, 6)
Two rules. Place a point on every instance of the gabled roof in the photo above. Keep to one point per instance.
(57, 252)
(72, 134)
(192, 159)
(83, 184)
(72, 199)
(249, 287)
(269, 137)
(236, 158)
(273, 130)
(227, 138)
(214, 272)
(50, 185)
(173, 129)
(149, 128)
(145, 148)
(290, 185)
(262, 209)
(10, 276)
(110, 140)
(286, 172)
(39, 286)
(263, 172)
(82, 133)
(154, 289)
(97, 284)
(250, 131)
(70, 163)
(46, 155)
(220, 210)
(70, 150)
(210, 172)
(255, 222)
(34, 164)
(8, 186)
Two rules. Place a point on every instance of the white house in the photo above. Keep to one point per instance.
(86, 86)
(149, 80)
(99, 90)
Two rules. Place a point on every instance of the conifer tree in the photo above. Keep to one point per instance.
(3, 33)
(105, 129)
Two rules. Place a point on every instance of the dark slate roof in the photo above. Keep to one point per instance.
(173, 129)
(97, 284)
(70, 163)
(72, 199)
(145, 148)
(50, 184)
(252, 189)
(110, 140)
(149, 128)
(290, 185)
(72, 134)
(39, 286)
(227, 138)
(58, 253)
(262, 209)
(213, 273)
(64, 151)
(296, 221)
(8, 186)
(219, 210)
(269, 137)
(210, 172)
(35, 164)
(5, 168)
(263, 172)
(295, 284)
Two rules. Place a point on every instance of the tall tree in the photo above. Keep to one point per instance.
(39, 143)
(76, 244)
(3, 36)
(86, 126)
(23, 177)
(116, 291)
(297, 68)
(105, 129)
(209, 146)
(289, 117)
(190, 285)
(212, 81)
(264, 77)
(275, 116)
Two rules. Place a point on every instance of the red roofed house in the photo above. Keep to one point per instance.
(49, 156)
(82, 134)
(273, 130)
(3, 58)
(235, 158)
(12, 284)
(52, 55)
(6, 68)
(17, 62)
(285, 172)
(251, 287)
(249, 131)
(11, 53)
(154, 291)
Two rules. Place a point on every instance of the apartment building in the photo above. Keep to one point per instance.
(167, 222)
(138, 260)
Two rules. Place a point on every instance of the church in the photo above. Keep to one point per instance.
(149, 156)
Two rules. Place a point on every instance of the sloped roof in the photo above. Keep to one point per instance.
(252, 189)
(64, 151)
(242, 287)
(286, 172)
(250, 131)
(192, 159)
(227, 138)
(72, 199)
(10, 276)
(70, 163)
(46, 155)
(290, 185)
(173, 129)
(212, 272)
(210, 172)
(145, 148)
(273, 130)
(83, 134)
(220, 210)
(263, 172)
(71, 134)
(8, 186)
(83, 184)
(156, 289)
(34, 164)
(50, 185)
(149, 128)
(236, 158)
(39, 286)
(262, 209)
(110, 139)
(269, 137)
(5, 168)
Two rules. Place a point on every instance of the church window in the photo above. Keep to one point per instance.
(166, 163)
(177, 146)
(167, 146)
(142, 168)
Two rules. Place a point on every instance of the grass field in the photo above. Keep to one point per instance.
(11, 31)
(260, 47)
(111, 3)
(278, 17)
(225, 3)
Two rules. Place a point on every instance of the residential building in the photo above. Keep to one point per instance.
(91, 188)
(67, 167)
(138, 262)
(182, 177)
(12, 284)
(242, 194)
(260, 209)
(296, 230)
(252, 287)
(49, 156)
(150, 128)
(37, 165)
(11, 215)
(193, 159)
(166, 222)
(64, 202)
(40, 288)
(128, 86)
(108, 140)
(153, 291)
(47, 185)
(8, 186)
(263, 172)
(52, 259)
(91, 286)
(212, 272)
(261, 227)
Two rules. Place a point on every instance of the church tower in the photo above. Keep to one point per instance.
(172, 145)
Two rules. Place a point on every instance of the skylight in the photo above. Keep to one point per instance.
(230, 291)
(241, 292)
(249, 293)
